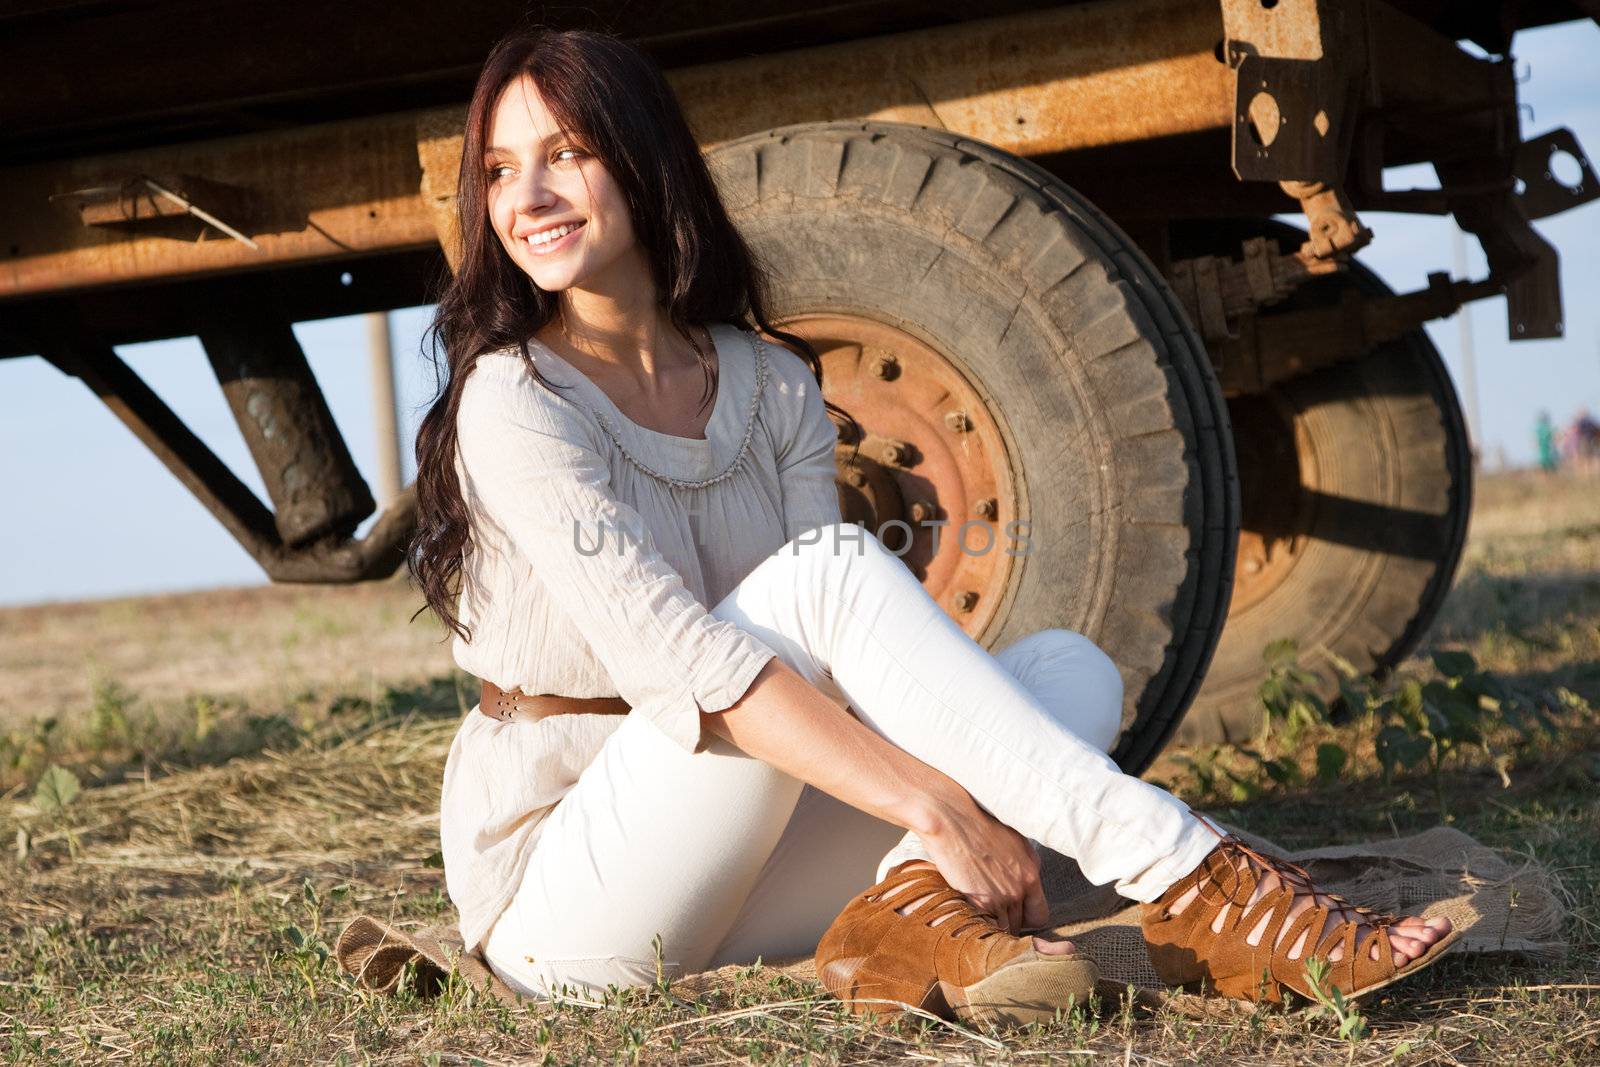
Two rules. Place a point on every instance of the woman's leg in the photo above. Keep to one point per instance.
(830, 851)
(839, 597)
(916, 678)
(652, 839)
(1073, 680)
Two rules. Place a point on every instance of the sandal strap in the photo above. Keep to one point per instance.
(1297, 877)
(1210, 940)
(943, 900)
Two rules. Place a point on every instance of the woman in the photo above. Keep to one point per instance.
(611, 451)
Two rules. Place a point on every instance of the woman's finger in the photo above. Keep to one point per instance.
(1036, 909)
(1013, 915)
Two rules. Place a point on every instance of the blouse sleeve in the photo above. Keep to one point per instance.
(532, 468)
(807, 472)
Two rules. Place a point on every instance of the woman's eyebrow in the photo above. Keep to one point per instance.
(494, 148)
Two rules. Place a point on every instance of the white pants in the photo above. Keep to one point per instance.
(728, 858)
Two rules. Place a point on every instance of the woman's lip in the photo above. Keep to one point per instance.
(553, 246)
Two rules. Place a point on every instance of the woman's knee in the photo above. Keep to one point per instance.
(785, 599)
(1074, 678)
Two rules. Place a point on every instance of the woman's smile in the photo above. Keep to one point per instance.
(552, 240)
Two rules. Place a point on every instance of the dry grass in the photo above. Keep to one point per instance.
(272, 646)
(173, 915)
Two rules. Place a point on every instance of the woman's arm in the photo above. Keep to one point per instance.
(785, 721)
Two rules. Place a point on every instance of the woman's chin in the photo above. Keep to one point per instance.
(552, 281)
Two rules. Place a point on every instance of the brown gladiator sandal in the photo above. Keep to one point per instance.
(967, 967)
(1193, 948)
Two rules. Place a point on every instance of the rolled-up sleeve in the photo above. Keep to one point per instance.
(532, 466)
(807, 472)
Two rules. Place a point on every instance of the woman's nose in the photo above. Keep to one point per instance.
(532, 193)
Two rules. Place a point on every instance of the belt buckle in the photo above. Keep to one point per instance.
(503, 705)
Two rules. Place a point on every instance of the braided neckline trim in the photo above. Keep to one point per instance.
(744, 442)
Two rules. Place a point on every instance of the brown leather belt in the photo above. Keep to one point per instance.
(507, 704)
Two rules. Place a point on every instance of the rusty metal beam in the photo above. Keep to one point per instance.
(1036, 83)
(331, 559)
(120, 388)
(284, 418)
(1041, 82)
(314, 193)
(1277, 346)
(1050, 84)
(135, 314)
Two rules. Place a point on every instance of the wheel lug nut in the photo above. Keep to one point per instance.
(957, 421)
(894, 453)
(885, 367)
(987, 508)
(964, 601)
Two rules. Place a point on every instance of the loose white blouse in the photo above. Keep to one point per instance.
(553, 608)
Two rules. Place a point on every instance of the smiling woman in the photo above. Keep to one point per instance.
(801, 718)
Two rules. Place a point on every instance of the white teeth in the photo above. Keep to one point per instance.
(546, 236)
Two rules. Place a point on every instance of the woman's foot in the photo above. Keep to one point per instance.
(1409, 937)
(912, 939)
(1245, 924)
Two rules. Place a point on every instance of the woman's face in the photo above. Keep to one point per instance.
(539, 181)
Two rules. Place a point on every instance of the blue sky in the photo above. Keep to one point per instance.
(93, 514)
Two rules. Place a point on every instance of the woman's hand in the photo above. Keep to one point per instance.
(787, 722)
(990, 863)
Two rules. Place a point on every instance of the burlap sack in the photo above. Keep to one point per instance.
(1502, 907)
(375, 955)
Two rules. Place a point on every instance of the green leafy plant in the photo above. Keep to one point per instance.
(57, 788)
(1427, 722)
(309, 953)
(1352, 1025)
(1213, 776)
(1289, 700)
(108, 714)
(308, 956)
(1415, 722)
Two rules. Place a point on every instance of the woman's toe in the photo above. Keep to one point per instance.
(1411, 948)
(1054, 948)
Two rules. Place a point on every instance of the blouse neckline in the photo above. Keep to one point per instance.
(688, 462)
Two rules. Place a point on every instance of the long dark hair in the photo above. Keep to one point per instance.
(615, 101)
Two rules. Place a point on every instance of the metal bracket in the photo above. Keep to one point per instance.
(1285, 118)
(1297, 66)
(1518, 256)
(1542, 193)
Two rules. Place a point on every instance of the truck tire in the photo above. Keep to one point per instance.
(1357, 485)
(1011, 355)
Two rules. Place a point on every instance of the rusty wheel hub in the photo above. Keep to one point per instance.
(931, 463)
(1276, 468)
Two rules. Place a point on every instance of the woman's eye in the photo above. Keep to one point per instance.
(576, 152)
(494, 172)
